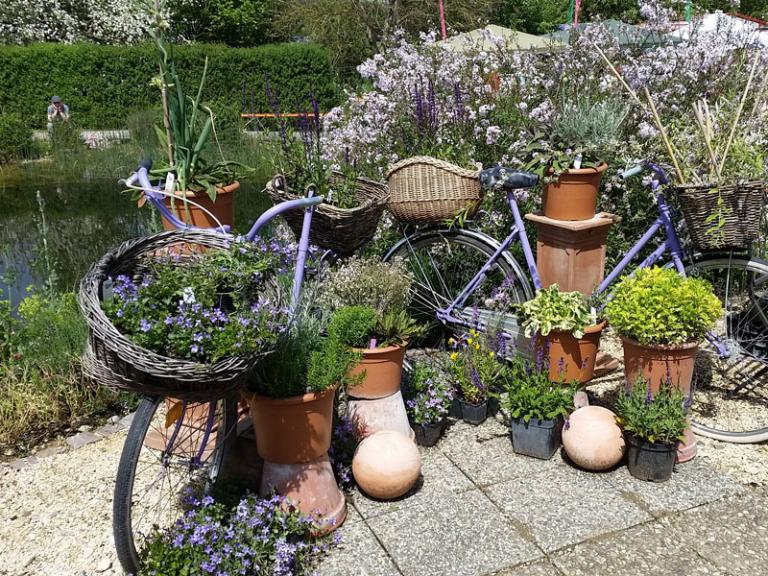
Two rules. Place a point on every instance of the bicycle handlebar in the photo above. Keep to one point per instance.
(657, 170)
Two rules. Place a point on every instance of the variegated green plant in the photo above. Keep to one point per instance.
(552, 310)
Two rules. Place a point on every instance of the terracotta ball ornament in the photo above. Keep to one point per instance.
(592, 439)
(386, 464)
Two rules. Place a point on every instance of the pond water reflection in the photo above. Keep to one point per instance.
(84, 216)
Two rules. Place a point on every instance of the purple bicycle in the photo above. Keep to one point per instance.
(459, 272)
(177, 448)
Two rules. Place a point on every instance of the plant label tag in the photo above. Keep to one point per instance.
(170, 183)
(577, 161)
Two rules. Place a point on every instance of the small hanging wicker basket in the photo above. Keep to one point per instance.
(341, 230)
(724, 217)
(115, 361)
(424, 190)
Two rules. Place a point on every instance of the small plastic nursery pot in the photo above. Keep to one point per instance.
(572, 358)
(474, 414)
(428, 434)
(536, 438)
(223, 208)
(574, 195)
(649, 461)
(660, 363)
(383, 369)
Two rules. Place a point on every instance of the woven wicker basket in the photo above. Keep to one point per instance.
(115, 361)
(341, 230)
(741, 210)
(423, 189)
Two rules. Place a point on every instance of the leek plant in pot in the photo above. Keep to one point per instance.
(201, 190)
(536, 407)
(568, 153)
(653, 424)
(429, 395)
(475, 368)
(567, 329)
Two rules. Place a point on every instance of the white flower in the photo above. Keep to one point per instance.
(188, 295)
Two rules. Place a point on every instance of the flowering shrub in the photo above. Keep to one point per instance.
(384, 286)
(429, 394)
(474, 365)
(260, 536)
(212, 306)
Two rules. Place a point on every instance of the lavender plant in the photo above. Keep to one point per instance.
(211, 306)
(259, 536)
(526, 391)
(474, 365)
(657, 418)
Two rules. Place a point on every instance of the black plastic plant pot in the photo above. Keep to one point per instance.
(455, 410)
(428, 434)
(536, 438)
(649, 461)
(474, 414)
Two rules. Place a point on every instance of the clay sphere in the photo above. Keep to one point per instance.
(386, 464)
(592, 439)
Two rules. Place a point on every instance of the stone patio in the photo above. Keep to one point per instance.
(479, 509)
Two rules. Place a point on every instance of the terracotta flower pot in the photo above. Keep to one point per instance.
(572, 358)
(293, 430)
(660, 363)
(383, 370)
(574, 195)
(223, 208)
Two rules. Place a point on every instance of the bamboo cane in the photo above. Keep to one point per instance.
(738, 111)
(664, 137)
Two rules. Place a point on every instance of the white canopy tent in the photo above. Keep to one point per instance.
(739, 29)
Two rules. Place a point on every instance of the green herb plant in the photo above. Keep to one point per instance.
(552, 310)
(357, 326)
(579, 136)
(658, 306)
(657, 418)
(526, 392)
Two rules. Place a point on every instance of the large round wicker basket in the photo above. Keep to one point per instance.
(423, 189)
(738, 208)
(341, 230)
(115, 361)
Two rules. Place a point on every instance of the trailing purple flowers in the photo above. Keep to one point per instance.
(205, 307)
(258, 536)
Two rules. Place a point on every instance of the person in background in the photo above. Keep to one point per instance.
(57, 112)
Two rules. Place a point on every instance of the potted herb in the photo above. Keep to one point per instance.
(380, 341)
(475, 369)
(654, 424)
(186, 132)
(661, 316)
(568, 155)
(536, 408)
(291, 395)
(565, 325)
(429, 397)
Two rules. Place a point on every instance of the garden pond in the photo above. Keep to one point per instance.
(55, 223)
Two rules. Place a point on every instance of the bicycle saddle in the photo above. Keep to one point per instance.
(506, 178)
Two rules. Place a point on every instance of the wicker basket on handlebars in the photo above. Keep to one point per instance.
(724, 217)
(423, 189)
(341, 230)
(113, 360)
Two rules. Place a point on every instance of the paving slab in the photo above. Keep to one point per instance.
(461, 535)
(538, 568)
(438, 477)
(359, 554)
(731, 533)
(639, 551)
(488, 460)
(562, 506)
(692, 484)
(81, 439)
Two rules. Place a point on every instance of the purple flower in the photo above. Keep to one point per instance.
(145, 325)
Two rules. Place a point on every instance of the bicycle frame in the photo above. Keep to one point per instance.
(157, 198)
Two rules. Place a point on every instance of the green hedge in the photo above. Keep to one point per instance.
(104, 84)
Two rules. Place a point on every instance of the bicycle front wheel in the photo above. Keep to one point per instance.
(730, 400)
(173, 452)
(443, 262)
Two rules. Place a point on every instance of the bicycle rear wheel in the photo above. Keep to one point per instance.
(730, 401)
(173, 451)
(443, 262)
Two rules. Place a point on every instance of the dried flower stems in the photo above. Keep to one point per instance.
(738, 112)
